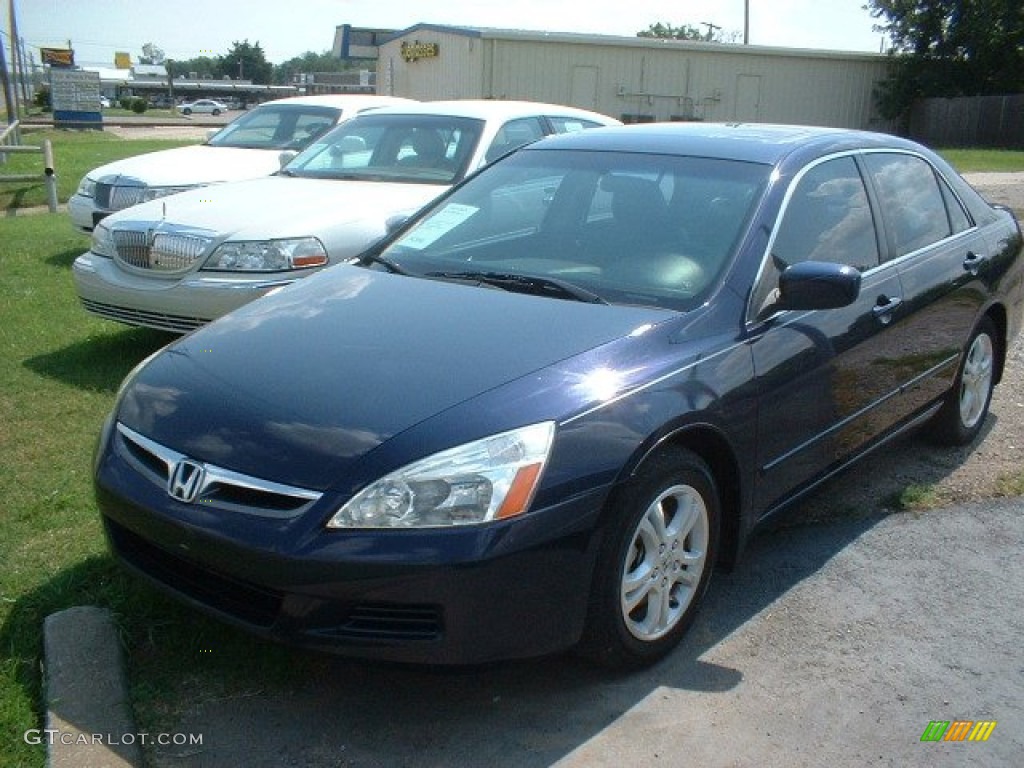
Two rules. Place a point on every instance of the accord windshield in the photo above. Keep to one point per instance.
(282, 126)
(427, 149)
(619, 227)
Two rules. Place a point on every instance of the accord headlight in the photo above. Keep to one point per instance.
(268, 255)
(153, 193)
(103, 242)
(490, 479)
(86, 187)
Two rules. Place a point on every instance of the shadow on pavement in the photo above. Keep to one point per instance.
(528, 713)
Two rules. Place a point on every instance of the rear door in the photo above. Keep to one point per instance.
(940, 254)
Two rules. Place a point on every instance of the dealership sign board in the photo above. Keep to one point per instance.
(75, 96)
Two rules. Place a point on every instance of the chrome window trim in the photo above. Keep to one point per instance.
(752, 321)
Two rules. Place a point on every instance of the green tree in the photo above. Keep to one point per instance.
(950, 48)
(246, 61)
(312, 62)
(685, 32)
(202, 66)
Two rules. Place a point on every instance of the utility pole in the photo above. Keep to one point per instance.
(169, 63)
(13, 21)
(12, 113)
(746, 22)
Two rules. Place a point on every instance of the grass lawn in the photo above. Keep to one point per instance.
(74, 154)
(978, 160)
(59, 372)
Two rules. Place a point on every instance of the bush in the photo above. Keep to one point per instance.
(41, 98)
(139, 105)
(125, 102)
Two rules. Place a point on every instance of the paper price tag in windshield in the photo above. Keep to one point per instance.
(437, 225)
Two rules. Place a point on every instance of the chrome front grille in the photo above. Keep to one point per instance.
(161, 252)
(114, 197)
(132, 248)
(125, 197)
(217, 487)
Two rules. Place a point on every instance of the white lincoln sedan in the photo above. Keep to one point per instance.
(245, 148)
(181, 261)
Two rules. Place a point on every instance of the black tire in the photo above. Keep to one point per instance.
(186, 111)
(216, 112)
(963, 413)
(655, 561)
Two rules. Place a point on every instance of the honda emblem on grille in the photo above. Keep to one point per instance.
(186, 481)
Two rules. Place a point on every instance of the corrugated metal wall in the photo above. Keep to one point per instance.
(646, 80)
(457, 72)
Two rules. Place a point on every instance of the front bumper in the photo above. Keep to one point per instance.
(467, 595)
(176, 305)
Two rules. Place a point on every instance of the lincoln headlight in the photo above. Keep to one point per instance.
(268, 255)
(87, 187)
(490, 479)
(103, 242)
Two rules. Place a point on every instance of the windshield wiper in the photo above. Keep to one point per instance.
(532, 284)
(375, 258)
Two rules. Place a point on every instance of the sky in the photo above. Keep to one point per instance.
(186, 29)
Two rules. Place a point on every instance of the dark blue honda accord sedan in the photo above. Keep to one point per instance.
(541, 411)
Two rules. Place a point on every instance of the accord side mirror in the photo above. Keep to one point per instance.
(818, 285)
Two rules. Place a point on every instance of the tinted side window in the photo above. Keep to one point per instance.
(514, 134)
(911, 199)
(959, 221)
(828, 219)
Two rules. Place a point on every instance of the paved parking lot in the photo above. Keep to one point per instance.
(832, 644)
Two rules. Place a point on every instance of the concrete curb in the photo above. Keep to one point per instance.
(88, 715)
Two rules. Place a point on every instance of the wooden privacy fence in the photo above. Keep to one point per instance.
(970, 121)
(47, 177)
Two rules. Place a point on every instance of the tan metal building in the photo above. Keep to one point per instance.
(633, 78)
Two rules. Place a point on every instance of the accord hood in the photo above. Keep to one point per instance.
(198, 164)
(278, 207)
(297, 386)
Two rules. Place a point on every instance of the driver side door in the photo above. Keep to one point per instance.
(825, 379)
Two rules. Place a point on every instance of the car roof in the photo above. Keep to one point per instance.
(752, 142)
(491, 109)
(340, 100)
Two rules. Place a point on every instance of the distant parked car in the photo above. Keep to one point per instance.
(180, 262)
(203, 107)
(245, 148)
(104, 102)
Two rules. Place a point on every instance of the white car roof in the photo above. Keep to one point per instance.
(344, 101)
(489, 109)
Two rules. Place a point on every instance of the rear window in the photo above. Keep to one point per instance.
(283, 126)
